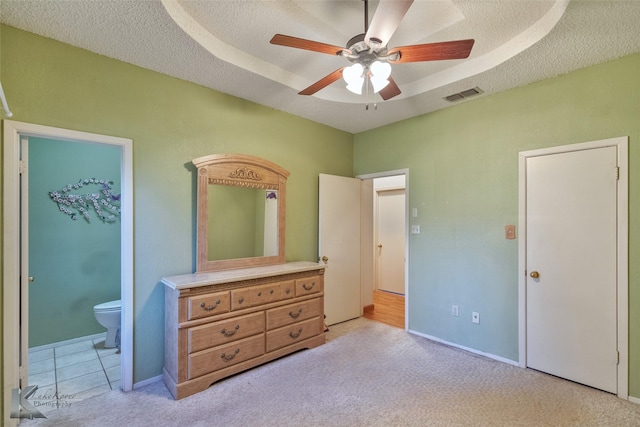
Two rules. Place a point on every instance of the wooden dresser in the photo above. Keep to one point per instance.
(220, 323)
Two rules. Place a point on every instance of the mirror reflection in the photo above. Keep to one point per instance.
(240, 212)
(243, 222)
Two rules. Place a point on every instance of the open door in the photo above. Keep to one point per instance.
(339, 246)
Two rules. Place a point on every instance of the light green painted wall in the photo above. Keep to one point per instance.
(171, 122)
(76, 263)
(463, 179)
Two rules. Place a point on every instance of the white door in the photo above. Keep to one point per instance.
(571, 241)
(339, 246)
(390, 246)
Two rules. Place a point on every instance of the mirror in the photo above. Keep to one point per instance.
(241, 212)
(246, 227)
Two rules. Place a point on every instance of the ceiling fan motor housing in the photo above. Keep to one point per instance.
(362, 53)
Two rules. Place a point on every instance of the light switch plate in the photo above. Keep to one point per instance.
(510, 232)
(414, 212)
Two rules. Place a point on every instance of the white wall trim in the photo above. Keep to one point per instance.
(621, 143)
(467, 349)
(11, 262)
(634, 400)
(67, 342)
(146, 382)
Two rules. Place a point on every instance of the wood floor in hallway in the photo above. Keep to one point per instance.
(387, 308)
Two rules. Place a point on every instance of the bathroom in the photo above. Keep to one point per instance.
(74, 267)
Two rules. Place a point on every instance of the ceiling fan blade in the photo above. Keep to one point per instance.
(390, 90)
(386, 20)
(458, 49)
(289, 41)
(322, 83)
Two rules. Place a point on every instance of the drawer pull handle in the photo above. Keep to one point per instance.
(294, 336)
(260, 293)
(270, 291)
(295, 315)
(231, 332)
(287, 291)
(308, 288)
(230, 357)
(241, 300)
(209, 307)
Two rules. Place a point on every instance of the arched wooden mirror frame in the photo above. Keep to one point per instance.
(239, 170)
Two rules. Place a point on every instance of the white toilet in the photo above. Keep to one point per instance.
(108, 315)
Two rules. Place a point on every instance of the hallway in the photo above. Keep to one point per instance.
(387, 308)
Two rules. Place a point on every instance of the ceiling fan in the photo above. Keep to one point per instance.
(369, 53)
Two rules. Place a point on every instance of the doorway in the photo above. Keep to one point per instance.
(346, 244)
(573, 259)
(15, 277)
(389, 219)
(385, 247)
(73, 264)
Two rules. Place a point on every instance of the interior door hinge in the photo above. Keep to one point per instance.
(21, 167)
(21, 376)
(617, 357)
(617, 173)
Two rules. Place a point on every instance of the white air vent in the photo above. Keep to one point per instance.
(464, 94)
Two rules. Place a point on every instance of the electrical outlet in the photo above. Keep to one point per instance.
(415, 229)
(475, 317)
(454, 310)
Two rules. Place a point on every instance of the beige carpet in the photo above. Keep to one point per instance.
(368, 374)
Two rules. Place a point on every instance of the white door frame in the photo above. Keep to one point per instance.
(404, 172)
(13, 130)
(621, 143)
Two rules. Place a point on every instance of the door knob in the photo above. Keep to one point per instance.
(31, 279)
(534, 274)
(380, 245)
(325, 259)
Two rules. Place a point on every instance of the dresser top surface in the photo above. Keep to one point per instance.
(192, 280)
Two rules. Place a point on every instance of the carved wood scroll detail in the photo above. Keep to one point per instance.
(222, 181)
(245, 173)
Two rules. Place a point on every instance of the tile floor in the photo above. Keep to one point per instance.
(67, 372)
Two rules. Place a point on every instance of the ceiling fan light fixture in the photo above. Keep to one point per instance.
(380, 72)
(353, 76)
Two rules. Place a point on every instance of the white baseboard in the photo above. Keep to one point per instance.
(147, 382)
(635, 400)
(461, 347)
(67, 342)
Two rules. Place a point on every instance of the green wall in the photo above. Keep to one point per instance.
(171, 122)
(76, 263)
(463, 179)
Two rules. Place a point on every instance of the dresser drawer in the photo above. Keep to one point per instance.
(308, 285)
(291, 334)
(223, 356)
(213, 334)
(286, 315)
(208, 305)
(288, 289)
(256, 295)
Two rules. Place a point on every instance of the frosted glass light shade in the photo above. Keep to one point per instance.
(380, 72)
(353, 76)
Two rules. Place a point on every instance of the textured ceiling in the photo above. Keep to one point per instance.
(225, 45)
